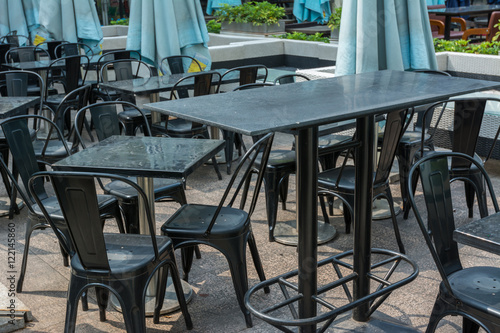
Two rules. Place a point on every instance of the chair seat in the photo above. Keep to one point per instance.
(131, 114)
(182, 126)
(191, 221)
(329, 141)
(413, 137)
(55, 149)
(279, 157)
(133, 261)
(329, 178)
(123, 190)
(477, 287)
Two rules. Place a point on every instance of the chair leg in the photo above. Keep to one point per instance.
(256, 260)
(216, 168)
(405, 157)
(31, 225)
(469, 198)
(482, 200)
(187, 261)
(283, 188)
(271, 185)
(438, 311)
(323, 209)
(133, 309)
(102, 295)
(388, 196)
(229, 137)
(72, 305)
(347, 218)
(414, 182)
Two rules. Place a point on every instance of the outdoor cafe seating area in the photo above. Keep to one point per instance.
(146, 196)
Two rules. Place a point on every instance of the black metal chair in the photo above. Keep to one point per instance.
(15, 39)
(467, 292)
(241, 75)
(127, 69)
(104, 116)
(71, 49)
(290, 78)
(19, 140)
(176, 65)
(107, 56)
(410, 144)
(462, 137)
(101, 263)
(340, 181)
(50, 46)
(223, 227)
(52, 150)
(25, 54)
(202, 83)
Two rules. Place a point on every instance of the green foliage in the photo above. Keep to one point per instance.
(213, 26)
(441, 45)
(498, 32)
(258, 13)
(123, 21)
(317, 37)
(334, 20)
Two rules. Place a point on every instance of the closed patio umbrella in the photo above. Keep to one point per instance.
(161, 28)
(312, 10)
(435, 2)
(216, 4)
(12, 18)
(72, 21)
(384, 34)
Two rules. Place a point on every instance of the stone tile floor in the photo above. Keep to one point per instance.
(214, 307)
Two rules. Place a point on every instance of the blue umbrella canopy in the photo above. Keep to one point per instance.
(161, 28)
(216, 4)
(12, 18)
(72, 21)
(435, 2)
(312, 10)
(457, 3)
(384, 34)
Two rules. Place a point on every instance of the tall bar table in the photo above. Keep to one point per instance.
(301, 108)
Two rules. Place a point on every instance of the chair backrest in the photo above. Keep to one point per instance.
(77, 196)
(104, 116)
(74, 100)
(179, 64)
(126, 69)
(394, 125)
(240, 183)
(50, 46)
(492, 30)
(247, 74)
(290, 78)
(16, 84)
(15, 39)
(72, 49)
(25, 54)
(18, 138)
(438, 232)
(115, 55)
(74, 71)
(202, 83)
(254, 85)
(463, 135)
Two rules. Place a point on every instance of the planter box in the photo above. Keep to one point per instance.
(249, 28)
(474, 66)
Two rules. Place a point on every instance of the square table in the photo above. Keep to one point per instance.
(483, 234)
(146, 158)
(449, 12)
(303, 107)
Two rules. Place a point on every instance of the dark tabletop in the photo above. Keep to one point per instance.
(157, 157)
(155, 84)
(15, 106)
(307, 104)
(466, 10)
(483, 234)
(42, 64)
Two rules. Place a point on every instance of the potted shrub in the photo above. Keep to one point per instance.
(251, 17)
(334, 23)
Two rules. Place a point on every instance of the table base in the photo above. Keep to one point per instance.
(5, 205)
(381, 210)
(170, 303)
(286, 232)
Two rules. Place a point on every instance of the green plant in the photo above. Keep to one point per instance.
(494, 39)
(317, 37)
(123, 21)
(258, 13)
(334, 20)
(213, 27)
(441, 45)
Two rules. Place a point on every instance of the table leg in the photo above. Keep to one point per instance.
(365, 129)
(155, 116)
(170, 302)
(307, 215)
